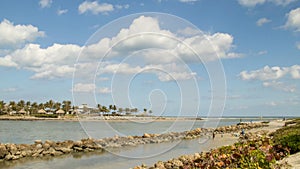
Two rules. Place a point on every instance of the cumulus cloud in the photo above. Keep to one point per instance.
(271, 73)
(293, 20)
(262, 21)
(84, 87)
(14, 35)
(54, 61)
(164, 72)
(11, 89)
(280, 86)
(263, 52)
(144, 35)
(104, 90)
(95, 7)
(272, 103)
(45, 3)
(253, 3)
(187, 1)
(61, 11)
(298, 45)
(126, 6)
(89, 88)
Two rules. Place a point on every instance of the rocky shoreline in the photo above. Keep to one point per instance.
(10, 151)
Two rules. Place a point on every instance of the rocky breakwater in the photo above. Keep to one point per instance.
(11, 151)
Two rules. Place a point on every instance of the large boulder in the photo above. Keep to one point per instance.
(3, 151)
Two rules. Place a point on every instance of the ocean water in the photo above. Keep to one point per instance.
(28, 131)
(125, 157)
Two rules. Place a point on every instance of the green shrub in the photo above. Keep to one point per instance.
(289, 136)
(45, 115)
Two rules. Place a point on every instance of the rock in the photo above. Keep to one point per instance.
(46, 146)
(78, 143)
(176, 163)
(3, 151)
(159, 165)
(64, 149)
(8, 157)
(78, 149)
(146, 135)
(39, 146)
(130, 137)
(38, 142)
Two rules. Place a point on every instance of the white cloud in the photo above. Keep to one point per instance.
(164, 72)
(253, 3)
(57, 61)
(95, 7)
(280, 86)
(45, 3)
(272, 103)
(293, 20)
(188, 1)
(52, 62)
(84, 87)
(263, 52)
(126, 6)
(104, 90)
(271, 73)
(188, 31)
(11, 89)
(14, 35)
(61, 11)
(295, 71)
(262, 21)
(298, 45)
(282, 2)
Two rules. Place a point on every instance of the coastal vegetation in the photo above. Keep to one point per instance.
(53, 109)
(254, 150)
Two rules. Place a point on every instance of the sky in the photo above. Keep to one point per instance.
(174, 57)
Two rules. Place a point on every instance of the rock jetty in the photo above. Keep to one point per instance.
(10, 151)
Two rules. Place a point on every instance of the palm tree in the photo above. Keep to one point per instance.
(66, 105)
(34, 108)
(104, 109)
(28, 106)
(99, 107)
(2, 104)
(41, 106)
(127, 110)
(57, 106)
(20, 105)
(13, 105)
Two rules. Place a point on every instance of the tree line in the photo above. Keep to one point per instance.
(66, 106)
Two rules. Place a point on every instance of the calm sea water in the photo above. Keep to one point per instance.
(28, 131)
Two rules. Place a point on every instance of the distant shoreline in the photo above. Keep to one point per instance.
(97, 118)
(129, 118)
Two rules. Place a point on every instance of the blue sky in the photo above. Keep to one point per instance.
(249, 54)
